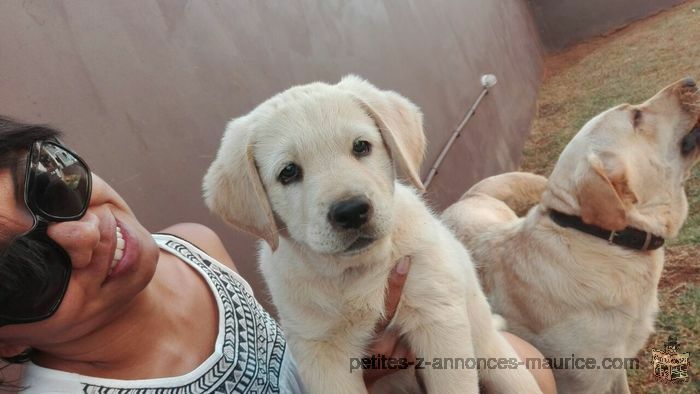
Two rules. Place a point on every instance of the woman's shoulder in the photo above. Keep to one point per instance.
(204, 238)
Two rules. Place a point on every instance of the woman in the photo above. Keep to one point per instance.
(93, 302)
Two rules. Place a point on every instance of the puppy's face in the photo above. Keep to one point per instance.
(317, 163)
(328, 176)
(627, 166)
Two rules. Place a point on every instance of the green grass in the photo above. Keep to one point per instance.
(691, 230)
(678, 317)
(629, 66)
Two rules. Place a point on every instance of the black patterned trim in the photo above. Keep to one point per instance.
(253, 345)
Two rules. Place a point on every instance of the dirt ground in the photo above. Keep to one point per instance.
(681, 269)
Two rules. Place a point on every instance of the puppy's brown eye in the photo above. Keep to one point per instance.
(361, 148)
(290, 173)
(637, 117)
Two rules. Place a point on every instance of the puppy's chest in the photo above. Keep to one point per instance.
(630, 283)
(303, 294)
(609, 277)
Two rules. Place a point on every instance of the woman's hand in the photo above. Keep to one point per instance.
(387, 342)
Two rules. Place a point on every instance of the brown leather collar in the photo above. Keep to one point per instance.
(630, 237)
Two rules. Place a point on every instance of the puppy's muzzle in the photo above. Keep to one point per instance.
(352, 213)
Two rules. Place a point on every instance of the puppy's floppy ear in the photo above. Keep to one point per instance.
(399, 121)
(233, 188)
(604, 194)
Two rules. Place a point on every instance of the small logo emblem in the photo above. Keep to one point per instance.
(670, 366)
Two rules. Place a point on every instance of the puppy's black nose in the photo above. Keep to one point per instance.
(351, 213)
(689, 82)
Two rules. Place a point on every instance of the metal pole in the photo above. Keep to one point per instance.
(487, 81)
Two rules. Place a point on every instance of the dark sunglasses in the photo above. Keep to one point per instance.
(36, 269)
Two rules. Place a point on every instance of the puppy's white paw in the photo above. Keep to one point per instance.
(499, 323)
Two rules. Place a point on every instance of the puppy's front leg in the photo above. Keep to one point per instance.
(620, 384)
(489, 344)
(446, 343)
(325, 367)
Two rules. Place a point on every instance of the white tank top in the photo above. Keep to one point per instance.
(250, 354)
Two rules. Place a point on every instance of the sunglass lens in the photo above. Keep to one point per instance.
(36, 279)
(60, 183)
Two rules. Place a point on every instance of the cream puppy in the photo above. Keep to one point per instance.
(312, 172)
(579, 273)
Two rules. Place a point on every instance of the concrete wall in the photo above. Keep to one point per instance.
(143, 89)
(565, 22)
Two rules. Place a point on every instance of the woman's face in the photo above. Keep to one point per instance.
(102, 286)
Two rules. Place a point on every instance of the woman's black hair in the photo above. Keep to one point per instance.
(15, 140)
(16, 137)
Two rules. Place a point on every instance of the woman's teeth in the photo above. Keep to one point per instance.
(119, 252)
